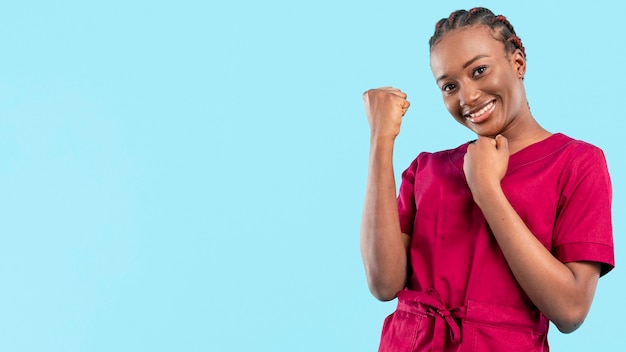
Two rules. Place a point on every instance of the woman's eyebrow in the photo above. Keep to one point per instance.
(465, 65)
(478, 57)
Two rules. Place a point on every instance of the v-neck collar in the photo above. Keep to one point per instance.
(526, 155)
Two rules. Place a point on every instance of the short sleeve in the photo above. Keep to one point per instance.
(406, 199)
(583, 229)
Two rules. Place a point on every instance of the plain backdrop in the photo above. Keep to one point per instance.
(189, 175)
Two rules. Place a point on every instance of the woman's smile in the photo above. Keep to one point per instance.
(482, 114)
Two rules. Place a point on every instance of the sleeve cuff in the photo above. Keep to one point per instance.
(587, 252)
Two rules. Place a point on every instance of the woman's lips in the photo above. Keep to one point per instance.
(482, 114)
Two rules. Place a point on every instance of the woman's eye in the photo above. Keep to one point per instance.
(479, 70)
(448, 87)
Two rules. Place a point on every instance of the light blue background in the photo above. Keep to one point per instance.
(189, 175)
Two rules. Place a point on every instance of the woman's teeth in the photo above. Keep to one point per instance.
(480, 112)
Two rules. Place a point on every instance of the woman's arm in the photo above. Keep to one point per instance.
(383, 245)
(563, 292)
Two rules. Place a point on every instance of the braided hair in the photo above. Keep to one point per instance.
(500, 26)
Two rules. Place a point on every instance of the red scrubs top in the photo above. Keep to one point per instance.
(461, 294)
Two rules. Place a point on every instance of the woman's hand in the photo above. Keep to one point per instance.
(385, 108)
(485, 165)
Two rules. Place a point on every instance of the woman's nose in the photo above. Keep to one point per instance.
(468, 94)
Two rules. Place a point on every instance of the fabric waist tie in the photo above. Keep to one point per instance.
(429, 303)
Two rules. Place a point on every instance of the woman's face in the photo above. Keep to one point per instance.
(481, 85)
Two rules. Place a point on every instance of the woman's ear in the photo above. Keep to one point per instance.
(518, 62)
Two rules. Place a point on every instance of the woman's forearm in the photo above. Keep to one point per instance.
(383, 246)
(563, 292)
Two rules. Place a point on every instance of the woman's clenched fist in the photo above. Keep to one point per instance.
(385, 108)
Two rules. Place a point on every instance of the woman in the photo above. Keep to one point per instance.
(487, 242)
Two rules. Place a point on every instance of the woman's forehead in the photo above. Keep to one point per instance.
(458, 47)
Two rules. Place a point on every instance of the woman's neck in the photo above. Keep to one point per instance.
(527, 133)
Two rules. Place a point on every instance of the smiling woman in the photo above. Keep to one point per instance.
(477, 76)
(487, 242)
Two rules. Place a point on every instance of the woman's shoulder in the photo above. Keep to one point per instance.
(576, 159)
(576, 148)
(443, 158)
(557, 148)
(446, 153)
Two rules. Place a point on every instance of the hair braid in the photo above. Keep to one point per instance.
(451, 18)
(502, 28)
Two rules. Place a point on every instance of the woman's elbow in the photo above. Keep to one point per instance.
(568, 327)
(382, 294)
(573, 311)
(384, 291)
(571, 321)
